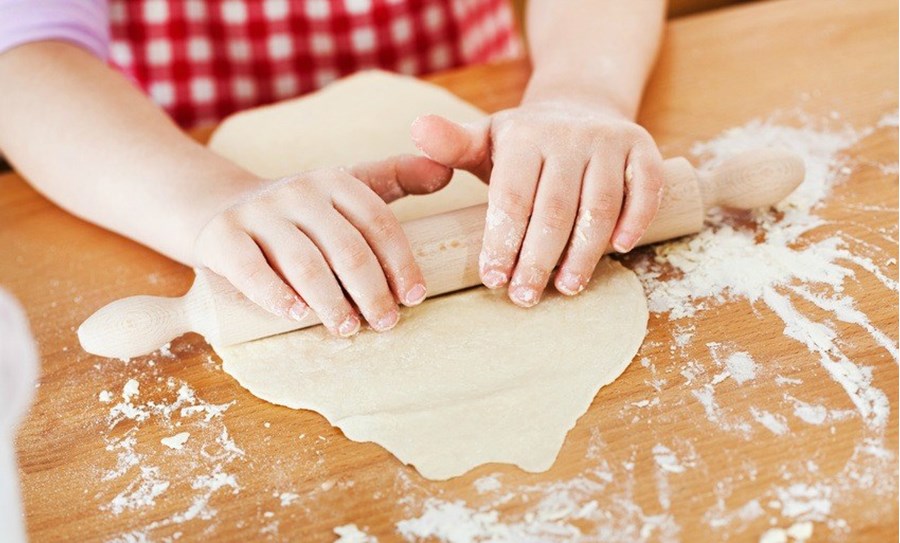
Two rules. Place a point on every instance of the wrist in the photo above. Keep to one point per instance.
(229, 189)
(544, 87)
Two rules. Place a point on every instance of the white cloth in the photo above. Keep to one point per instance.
(18, 373)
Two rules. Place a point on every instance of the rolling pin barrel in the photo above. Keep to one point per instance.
(446, 247)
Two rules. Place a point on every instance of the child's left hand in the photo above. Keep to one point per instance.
(565, 180)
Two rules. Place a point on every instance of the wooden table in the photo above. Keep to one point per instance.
(260, 472)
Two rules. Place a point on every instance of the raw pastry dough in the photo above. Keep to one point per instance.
(464, 379)
(357, 119)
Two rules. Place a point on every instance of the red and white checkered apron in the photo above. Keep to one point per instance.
(203, 59)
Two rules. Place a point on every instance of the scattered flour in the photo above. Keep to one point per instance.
(776, 261)
(666, 459)
(729, 260)
(715, 414)
(809, 413)
(488, 483)
(888, 120)
(206, 472)
(165, 351)
(177, 441)
(770, 258)
(141, 492)
(130, 390)
(349, 533)
(719, 517)
(805, 502)
(800, 531)
(741, 367)
(775, 423)
(287, 498)
(774, 535)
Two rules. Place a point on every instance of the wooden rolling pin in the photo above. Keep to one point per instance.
(446, 247)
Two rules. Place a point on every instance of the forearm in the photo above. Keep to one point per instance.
(92, 143)
(595, 52)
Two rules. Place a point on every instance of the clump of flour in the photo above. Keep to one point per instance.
(350, 533)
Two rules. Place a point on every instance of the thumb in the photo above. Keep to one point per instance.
(398, 176)
(466, 147)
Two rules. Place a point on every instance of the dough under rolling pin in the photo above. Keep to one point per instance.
(446, 247)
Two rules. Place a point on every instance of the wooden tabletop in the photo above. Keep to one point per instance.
(650, 460)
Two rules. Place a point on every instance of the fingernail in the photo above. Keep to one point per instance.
(494, 279)
(298, 311)
(624, 243)
(349, 327)
(415, 294)
(525, 296)
(569, 284)
(387, 322)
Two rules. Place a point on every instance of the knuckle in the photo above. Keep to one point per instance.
(303, 194)
(406, 270)
(253, 281)
(515, 204)
(248, 272)
(306, 266)
(355, 256)
(556, 212)
(636, 133)
(384, 226)
(227, 223)
(605, 204)
(553, 220)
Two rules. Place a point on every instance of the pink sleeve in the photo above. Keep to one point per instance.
(82, 22)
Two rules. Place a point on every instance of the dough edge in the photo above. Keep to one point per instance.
(526, 459)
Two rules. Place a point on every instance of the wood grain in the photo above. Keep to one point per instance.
(717, 70)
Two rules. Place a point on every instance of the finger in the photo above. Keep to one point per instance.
(643, 192)
(550, 226)
(510, 201)
(598, 210)
(382, 231)
(246, 268)
(401, 175)
(466, 147)
(302, 265)
(355, 266)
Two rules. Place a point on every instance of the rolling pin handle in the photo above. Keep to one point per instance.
(133, 326)
(753, 179)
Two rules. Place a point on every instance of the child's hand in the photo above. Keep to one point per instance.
(565, 180)
(325, 240)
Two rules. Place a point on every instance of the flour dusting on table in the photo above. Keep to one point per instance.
(788, 266)
(204, 467)
(782, 262)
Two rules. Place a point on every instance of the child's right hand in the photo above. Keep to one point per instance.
(325, 240)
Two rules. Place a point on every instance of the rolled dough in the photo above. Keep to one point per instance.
(464, 379)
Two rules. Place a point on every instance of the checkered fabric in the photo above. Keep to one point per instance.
(203, 59)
